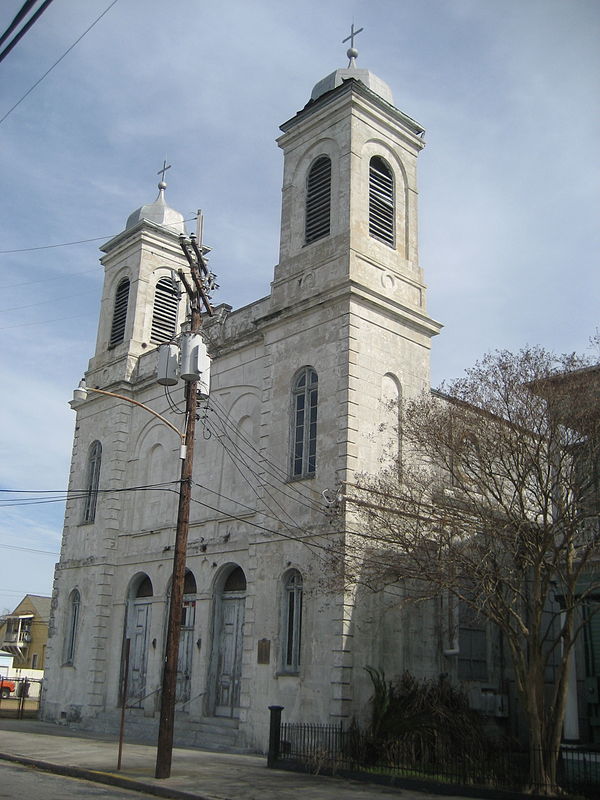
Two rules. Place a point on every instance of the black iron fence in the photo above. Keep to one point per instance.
(334, 749)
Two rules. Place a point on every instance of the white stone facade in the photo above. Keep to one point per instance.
(348, 306)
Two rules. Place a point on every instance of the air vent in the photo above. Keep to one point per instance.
(117, 332)
(381, 201)
(318, 200)
(164, 315)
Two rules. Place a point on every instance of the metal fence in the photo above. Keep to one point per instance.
(20, 697)
(331, 749)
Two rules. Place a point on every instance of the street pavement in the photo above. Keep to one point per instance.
(195, 774)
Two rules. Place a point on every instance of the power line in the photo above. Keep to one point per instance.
(69, 244)
(25, 8)
(30, 549)
(45, 302)
(56, 63)
(20, 15)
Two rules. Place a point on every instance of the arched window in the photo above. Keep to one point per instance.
(292, 621)
(381, 201)
(93, 477)
(164, 314)
(318, 200)
(117, 332)
(304, 426)
(72, 625)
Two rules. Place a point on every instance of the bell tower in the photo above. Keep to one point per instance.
(349, 208)
(141, 302)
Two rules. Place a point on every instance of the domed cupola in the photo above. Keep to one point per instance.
(159, 213)
(335, 79)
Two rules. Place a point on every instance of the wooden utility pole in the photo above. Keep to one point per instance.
(197, 291)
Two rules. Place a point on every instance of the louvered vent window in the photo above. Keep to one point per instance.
(381, 201)
(164, 315)
(117, 332)
(318, 200)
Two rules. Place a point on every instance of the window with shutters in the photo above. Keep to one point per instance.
(164, 314)
(381, 201)
(318, 200)
(292, 621)
(117, 332)
(93, 478)
(304, 426)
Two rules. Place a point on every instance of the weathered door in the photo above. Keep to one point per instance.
(186, 644)
(229, 661)
(138, 658)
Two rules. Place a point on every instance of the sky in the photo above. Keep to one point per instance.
(507, 91)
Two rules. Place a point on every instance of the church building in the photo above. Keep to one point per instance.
(299, 404)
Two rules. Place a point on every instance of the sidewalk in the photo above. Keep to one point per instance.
(195, 774)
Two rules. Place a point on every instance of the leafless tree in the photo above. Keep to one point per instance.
(495, 504)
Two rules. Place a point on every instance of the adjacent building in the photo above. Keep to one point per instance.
(24, 633)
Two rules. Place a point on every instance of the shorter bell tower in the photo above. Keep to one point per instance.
(142, 305)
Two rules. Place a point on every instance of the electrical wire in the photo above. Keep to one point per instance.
(19, 16)
(31, 21)
(45, 302)
(30, 550)
(68, 244)
(277, 472)
(56, 63)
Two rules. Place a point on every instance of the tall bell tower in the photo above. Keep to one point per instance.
(349, 211)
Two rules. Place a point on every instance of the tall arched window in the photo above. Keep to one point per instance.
(318, 200)
(117, 332)
(92, 479)
(72, 625)
(304, 426)
(164, 314)
(381, 201)
(292, 621)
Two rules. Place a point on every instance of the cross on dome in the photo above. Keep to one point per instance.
(352, 52)
(161, 172)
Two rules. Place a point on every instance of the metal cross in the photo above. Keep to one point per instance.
(353, 33)
(162, 171)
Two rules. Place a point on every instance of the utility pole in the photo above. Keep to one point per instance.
(202, 281)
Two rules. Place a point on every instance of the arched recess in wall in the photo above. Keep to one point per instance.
(384, 173)
(314, 189)
(137, 630)
(390, 407)
(240, 452)
(155, 462)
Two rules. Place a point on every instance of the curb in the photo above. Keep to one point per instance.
(108, 778)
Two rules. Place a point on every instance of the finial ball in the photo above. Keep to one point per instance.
(352, 52)
(162, 185)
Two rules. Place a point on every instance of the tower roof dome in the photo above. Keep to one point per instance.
(158, 212)
(336, 78)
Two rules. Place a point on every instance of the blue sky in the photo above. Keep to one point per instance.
(507, 91)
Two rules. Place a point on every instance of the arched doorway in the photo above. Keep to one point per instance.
(137, 630)
(228, 636)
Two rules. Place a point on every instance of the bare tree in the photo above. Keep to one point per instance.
(495, 504)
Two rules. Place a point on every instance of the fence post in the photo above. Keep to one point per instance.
(274, 734)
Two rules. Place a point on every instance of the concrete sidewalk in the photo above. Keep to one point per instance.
(195, 774)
